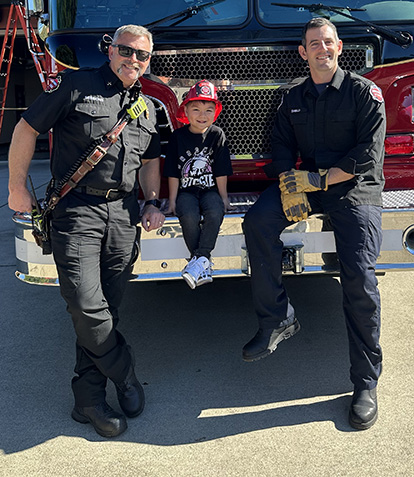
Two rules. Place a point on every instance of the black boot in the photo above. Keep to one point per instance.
(106, 421)
(266, 340)
(364, 409)
(130, 394)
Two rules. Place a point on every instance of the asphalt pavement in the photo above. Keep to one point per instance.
(208, 413)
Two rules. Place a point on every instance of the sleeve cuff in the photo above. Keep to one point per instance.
(351, 166)
(273, 169)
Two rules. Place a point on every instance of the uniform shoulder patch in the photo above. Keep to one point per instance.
(376, 93)
(53, 84)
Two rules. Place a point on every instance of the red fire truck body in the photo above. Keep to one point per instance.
(248, 49)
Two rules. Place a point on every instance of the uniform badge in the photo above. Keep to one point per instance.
(53, 84)
(376, 93)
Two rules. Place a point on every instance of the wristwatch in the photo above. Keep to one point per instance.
(155, 202)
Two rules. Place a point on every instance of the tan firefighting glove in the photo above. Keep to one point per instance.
(295, 181)
(295, 206)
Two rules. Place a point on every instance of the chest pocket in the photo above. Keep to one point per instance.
(94, 119)
(299, 118)
(342, 116)
(300, 124)
(340, 133)
(144, 132)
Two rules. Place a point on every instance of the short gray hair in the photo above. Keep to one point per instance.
(318, 23)
(136, 30)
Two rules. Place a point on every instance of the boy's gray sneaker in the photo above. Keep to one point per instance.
(196, 267)
(205, 276)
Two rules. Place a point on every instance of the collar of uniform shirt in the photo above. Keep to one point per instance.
(336, 81)
(112, 80)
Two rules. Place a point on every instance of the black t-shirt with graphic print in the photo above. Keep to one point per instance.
(197, 159)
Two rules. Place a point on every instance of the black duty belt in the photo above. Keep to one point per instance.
(109, 194)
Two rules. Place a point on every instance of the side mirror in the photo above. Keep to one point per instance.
(43, 26)
(34, 7)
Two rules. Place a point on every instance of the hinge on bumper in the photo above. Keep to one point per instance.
(292, 259)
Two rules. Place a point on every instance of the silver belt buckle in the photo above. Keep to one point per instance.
(108, 192)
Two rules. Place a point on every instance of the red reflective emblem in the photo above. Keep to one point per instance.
(53, 84)
(205, 90)
(376, 93)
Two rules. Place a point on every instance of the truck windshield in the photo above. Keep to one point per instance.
(68, 14)
(373, 11)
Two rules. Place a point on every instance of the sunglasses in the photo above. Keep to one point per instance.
(127, 51)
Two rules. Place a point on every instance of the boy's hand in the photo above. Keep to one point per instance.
(227, 205)
(171, 208)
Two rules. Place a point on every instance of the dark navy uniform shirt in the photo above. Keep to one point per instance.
(343, 126)
(83, 106)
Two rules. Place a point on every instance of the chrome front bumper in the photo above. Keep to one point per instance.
(309, 246)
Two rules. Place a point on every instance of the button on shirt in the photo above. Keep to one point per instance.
(343, 126)
(81, 108)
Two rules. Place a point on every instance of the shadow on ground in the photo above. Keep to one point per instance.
(188, 353)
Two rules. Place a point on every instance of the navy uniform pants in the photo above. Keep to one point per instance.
(93, 244)
(358, 236)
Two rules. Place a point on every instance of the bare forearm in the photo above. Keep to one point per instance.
(222, 189)
(222, 186)
(21, 152)
(337, 175)
(150, 178)
(173, 185)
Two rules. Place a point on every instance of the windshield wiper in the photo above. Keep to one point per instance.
(400, 38)
(187, 13)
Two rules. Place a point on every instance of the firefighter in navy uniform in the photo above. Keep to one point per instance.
(336, 121)
(94, 226)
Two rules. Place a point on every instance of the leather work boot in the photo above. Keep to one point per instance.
(364, 409)
(130, 394)
(106, 421)
(266, 341)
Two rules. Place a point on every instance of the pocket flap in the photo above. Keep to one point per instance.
(92, 110)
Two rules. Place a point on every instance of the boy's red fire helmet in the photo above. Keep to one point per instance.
(202, 91)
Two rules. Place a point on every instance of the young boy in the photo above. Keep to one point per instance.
(197, 165)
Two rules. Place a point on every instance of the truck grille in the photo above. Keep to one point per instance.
(248, 82)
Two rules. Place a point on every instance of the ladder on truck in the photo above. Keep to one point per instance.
(17, 15)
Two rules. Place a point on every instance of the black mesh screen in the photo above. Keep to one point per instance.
(242, 78)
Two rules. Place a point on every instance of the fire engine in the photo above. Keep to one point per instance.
(248, 49)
